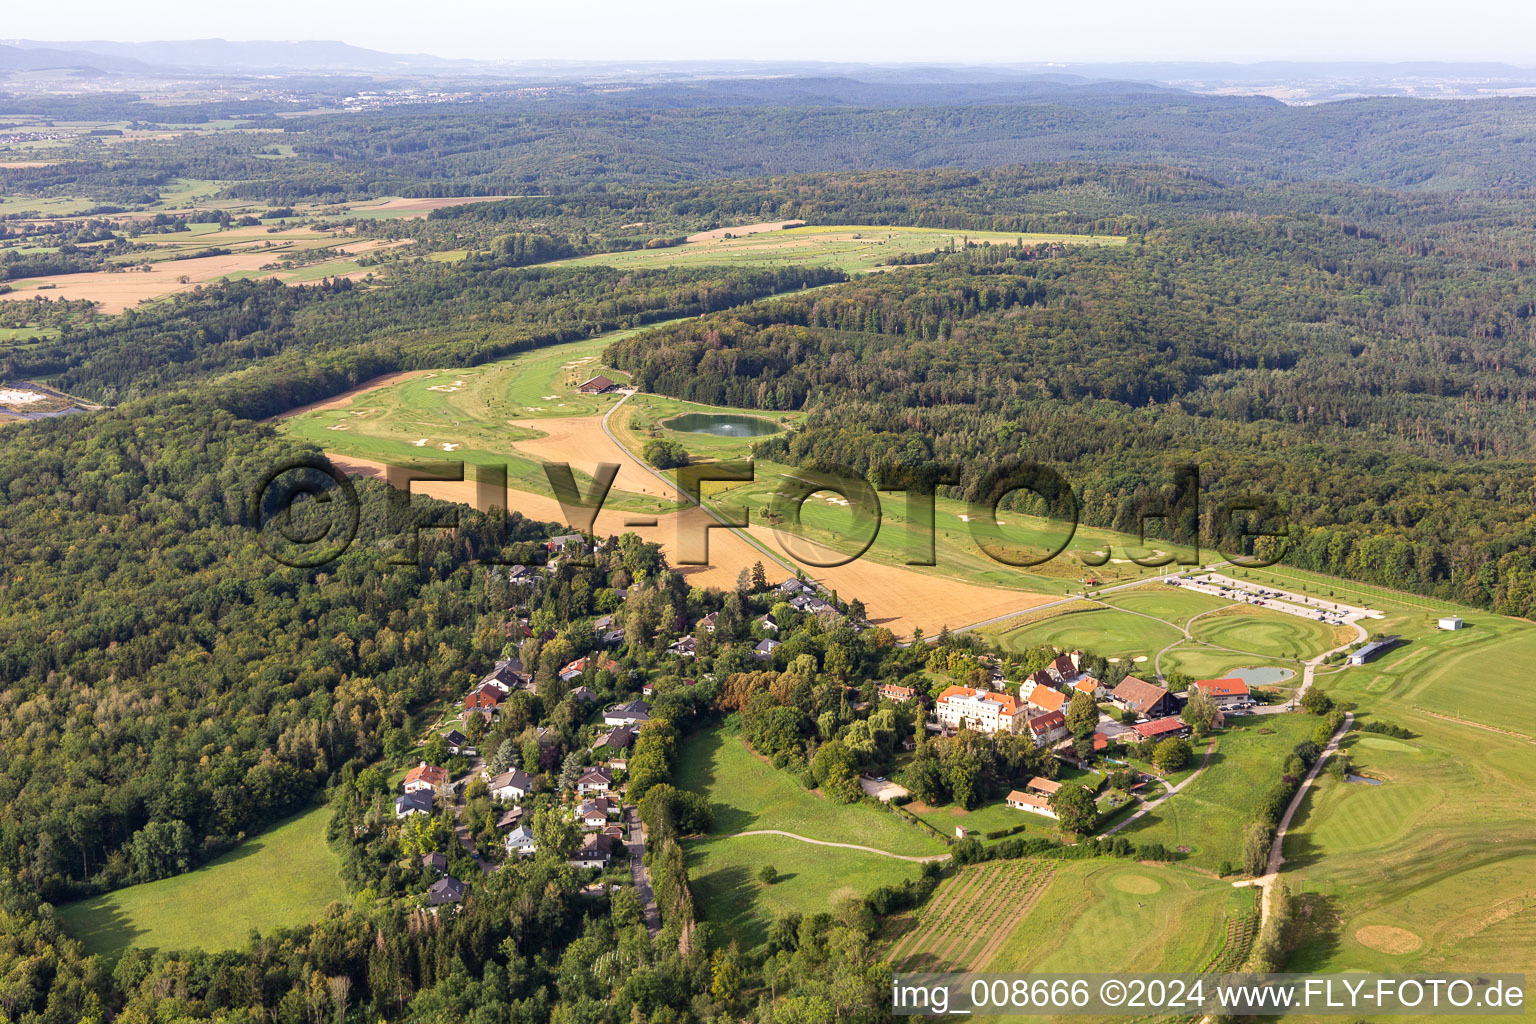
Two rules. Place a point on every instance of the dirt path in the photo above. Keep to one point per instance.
(845, 846)
(1153, 805)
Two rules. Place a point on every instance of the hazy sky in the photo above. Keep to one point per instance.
(862, 30)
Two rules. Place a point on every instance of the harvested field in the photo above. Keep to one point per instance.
(969, 917)
(116, 291)
(745, 229)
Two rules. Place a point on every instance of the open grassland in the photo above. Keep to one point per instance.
(282, 878)
(852, 248)
(1433, 869)
(723, 875)
(1208, 816)
(748, 794)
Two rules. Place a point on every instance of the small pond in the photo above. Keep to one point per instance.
(721, 425)
(1363, 778)
(1262, 676)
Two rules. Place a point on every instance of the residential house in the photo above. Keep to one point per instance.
(580, 666)
(647, 689)
(611, 637)
(962, 707)
(1144, 698)
(1062, 669)
(1045, 699)
(686, 646)
(899, 694)
(457, 742)
(1224, 692)
(769, 623)
(584, 694)
(445, 890)
(1023, 800)
(793, 587)
(593, 814)
(764, 650)
(598, 385)
(635, 712)
(595, 851)
(507, 675)
(520, 842)
(1039, 680)
(1044, 786)
(417, 801)
(435, 861)
(615, 739)
(425, 777)
(1048, 728)
(564, 541)
(1091, 686)
(512, 816)
(594, 780)
(708, 621)
(512, 785)
(485, 698)
(1161, 728)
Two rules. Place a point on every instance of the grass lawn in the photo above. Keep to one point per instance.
(723, 872)
(1171, 604)
(851, 248)
(281, 878)
(748, 794)
(984, 819)
(1208, 816)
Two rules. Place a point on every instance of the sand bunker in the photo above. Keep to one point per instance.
(1385, 938)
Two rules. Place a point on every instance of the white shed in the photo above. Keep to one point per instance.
(1451, 622)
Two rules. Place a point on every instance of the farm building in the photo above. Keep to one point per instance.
(1373, 649)
(1161, 728)
(1144, 698)
(598, 385)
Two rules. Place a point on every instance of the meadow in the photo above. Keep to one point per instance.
(854, 249)
(748, 794)
(282, 878)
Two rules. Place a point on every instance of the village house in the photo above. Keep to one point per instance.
(445, 890)
(769, 623)
(507, 674)
(1225, 692)
(685, 647)
(611, 637)
(520, 842)
(1032, 799)
(1048, 728)
(764, 650)
(1144, 698)
(899, 694)
(436, 861)
(1090, 686)
(708, 621)
(425, 777)
(1161, 729)
(593, 813)
(458, 742)
(793, 587)
(415, 802)
(598, 385)
(584, 694)
(633, 713)
(594, 780)
(511, 817)
(594, 853)
(486, 698)
(1062, 669)
(962, 707)
(1044, 699)
(512, 785)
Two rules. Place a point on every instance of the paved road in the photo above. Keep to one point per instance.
(639, 874)
(460, 830)
(845, 846)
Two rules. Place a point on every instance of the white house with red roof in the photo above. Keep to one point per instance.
(962, 707)
(425, 777)
(1225, 692)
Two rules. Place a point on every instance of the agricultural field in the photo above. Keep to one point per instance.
(854, 249)
(282, 878)
(1206, 818)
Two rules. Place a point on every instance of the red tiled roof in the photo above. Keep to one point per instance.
(1158, 727)
(1008, 702)
(1046, 722)
(1223, 687)
(1087, 685)
(1046, 699)
(1032, 799)
(430, 774)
